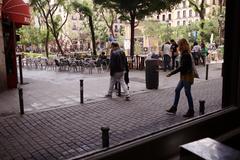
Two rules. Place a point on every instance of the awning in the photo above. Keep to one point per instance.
(16, 11)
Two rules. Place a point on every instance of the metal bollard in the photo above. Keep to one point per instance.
(20, 69)
(207, 67)
(20, 93)
(201, 107)
(105, 136)
(81, 91)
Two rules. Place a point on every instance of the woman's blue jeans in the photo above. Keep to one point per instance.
(187, 88)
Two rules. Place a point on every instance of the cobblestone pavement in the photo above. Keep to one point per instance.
(52, 89)
(67, 132)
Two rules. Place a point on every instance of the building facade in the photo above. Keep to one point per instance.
(183, 13)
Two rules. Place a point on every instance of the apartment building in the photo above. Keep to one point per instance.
(183, 13)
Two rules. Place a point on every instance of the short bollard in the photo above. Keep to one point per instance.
(201, 107)
(81, 91)
(105, 137)
(207, 67)
(20, 93)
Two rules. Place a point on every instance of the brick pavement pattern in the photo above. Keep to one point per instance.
(46, 89)
(67, 132)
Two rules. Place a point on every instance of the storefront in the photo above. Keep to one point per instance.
(14, 14)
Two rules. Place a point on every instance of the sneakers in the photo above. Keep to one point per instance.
(172, 110)
(127, 98)
(189, 114)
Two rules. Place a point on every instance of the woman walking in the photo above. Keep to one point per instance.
(186, 78)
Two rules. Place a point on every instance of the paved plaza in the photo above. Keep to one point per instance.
(56, 126)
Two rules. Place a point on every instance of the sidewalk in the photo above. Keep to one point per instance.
(49, 89)
(66, 131)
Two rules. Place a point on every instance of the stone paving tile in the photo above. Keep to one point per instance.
(46, 87)
(67, 132)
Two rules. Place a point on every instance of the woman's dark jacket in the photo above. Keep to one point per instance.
(185, 68)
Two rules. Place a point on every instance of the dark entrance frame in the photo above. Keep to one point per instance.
(231, 67)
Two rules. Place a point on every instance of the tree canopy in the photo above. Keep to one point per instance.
(133, 10)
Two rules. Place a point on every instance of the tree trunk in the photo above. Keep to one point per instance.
(46, 42)
(112, 32)
(93, 35)
(132, 41)
(58, 44)
(202, 18)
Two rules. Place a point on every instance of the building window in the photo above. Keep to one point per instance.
(184, 23)
(81, 17)
(190, 13)
(169, 17)
(184, 4)
(178, 23)
(178, 14)
(214, 2)
(158, 17)
(116, 28)
(196, 14)
(163, 17)
(184, 14)
(74, 17)
(74, 27)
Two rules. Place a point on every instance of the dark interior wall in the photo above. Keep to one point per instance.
(231, 70)
(3, 74)
(9, 36)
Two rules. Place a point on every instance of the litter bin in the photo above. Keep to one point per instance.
(152, 75)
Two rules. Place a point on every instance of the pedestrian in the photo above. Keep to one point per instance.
(174, 53)
(166, 56)
(118, 63)
(196, 52)
(204, 53)
(186, 78)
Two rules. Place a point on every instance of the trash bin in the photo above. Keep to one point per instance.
(152, 75)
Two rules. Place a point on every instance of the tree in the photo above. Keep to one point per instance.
(221, 19)
(136, 10)
(109, 16)
(162, 31)
(200, 9)
(31, 35)
(54, 23)
(39, 6)
(82, 8)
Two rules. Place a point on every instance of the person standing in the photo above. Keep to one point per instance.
(174, 52)
(196, 52)
(204, 53)
(118, 63)
(166, 56)
(186, 78)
